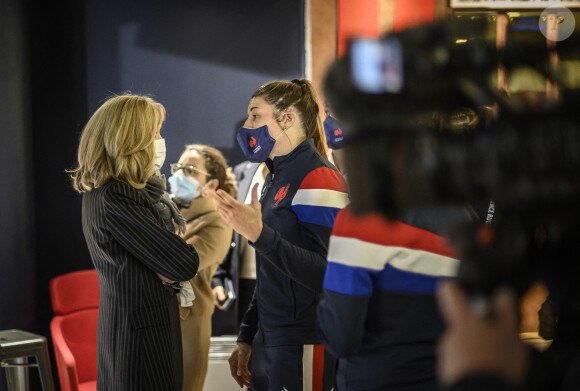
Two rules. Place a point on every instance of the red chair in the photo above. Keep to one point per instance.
(75, 302)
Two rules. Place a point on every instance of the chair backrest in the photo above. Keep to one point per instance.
(75, 302)
(74, 291)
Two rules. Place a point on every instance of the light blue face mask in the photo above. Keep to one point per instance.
(184, 188)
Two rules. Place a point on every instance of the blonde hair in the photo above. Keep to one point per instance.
(299, 95)
(118, 142)
(216, 166)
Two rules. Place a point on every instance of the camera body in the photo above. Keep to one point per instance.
(425, 129)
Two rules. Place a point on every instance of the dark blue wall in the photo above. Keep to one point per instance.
(17, 244)
(202, 59)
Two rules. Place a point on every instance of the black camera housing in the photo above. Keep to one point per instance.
(442, 135)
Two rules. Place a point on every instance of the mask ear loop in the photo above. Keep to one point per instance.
(284, 129)
(204, 187)
(207, 175)
(288, 137)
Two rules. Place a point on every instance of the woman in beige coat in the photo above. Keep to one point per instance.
(200, 167)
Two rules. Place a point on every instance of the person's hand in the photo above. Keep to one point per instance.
(219, 295)
(475, 344)
(548, 320)
(167, 280)
(239, 364)
(244, 219)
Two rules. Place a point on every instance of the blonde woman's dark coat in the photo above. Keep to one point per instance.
(138, 337)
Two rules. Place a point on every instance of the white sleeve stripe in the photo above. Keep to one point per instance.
(357, 253)
(321, 197)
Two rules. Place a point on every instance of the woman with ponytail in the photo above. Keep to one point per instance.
(289, 226)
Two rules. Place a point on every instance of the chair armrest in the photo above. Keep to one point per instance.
(65, 361)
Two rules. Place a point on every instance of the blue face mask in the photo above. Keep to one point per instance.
(334, 136)
(255, 143)
(184, 188)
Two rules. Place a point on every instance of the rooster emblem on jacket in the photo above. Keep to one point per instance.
(281, 194)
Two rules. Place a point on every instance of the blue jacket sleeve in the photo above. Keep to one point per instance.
(341, 320)
(341, 315)
(249, 325)
(293, 260)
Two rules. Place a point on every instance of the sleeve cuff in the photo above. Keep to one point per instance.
(246, 336)
(266, 240)
(216, 281)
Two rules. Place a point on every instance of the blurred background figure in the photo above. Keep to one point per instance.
(137, 259)
(378, 313)
(413, 151)
(335, 141)
(239, 266)
(200, 167)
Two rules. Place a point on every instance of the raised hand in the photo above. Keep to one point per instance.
(244, 219)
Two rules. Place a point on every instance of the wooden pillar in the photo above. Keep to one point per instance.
(323, 25)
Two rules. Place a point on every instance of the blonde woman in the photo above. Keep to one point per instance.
(136, 258)
(201, 167)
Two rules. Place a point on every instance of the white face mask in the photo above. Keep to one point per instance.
(159, 153)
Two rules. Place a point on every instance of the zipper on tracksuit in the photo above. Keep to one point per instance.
(271, 181)
(267, 187)
(271, 168)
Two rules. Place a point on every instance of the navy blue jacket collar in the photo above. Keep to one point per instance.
(280, 161)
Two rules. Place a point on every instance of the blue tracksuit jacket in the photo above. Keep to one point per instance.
(378, 313)
(302, 195)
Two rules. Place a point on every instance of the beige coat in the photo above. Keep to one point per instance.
(211, 236)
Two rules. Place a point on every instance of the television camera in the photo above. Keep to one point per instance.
(426, 127)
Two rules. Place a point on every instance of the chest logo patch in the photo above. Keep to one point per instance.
(281, 194)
